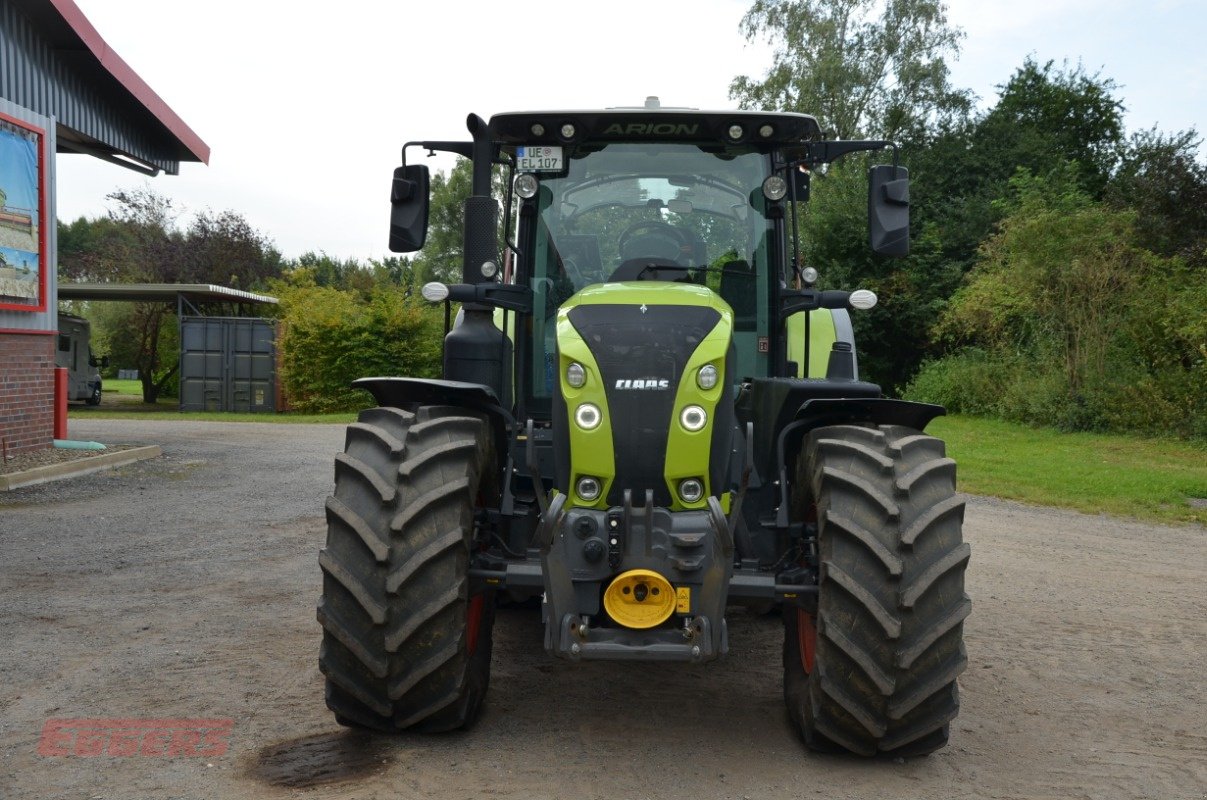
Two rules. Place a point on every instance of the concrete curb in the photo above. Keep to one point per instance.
(83, 466)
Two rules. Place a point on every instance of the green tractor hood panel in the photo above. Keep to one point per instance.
(642, 345)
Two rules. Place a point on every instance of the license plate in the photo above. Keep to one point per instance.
(540, 158)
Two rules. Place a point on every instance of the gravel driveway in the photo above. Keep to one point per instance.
(184, 587)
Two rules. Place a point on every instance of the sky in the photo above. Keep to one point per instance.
(305, 111)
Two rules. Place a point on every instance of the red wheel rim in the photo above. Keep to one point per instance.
(806, 638)
(473, 622)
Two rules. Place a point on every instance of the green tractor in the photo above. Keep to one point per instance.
(649, 414)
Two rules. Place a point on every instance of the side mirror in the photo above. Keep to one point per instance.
(408, 209)
(888, 210)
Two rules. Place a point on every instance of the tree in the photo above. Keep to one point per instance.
(224, 249)
(1046, 117)
(141, 242)
(863, 67)
(1161, 177)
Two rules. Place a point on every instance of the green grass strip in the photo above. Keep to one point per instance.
(1152, 479)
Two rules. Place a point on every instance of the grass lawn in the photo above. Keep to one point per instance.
(1152, 479)
(123, 400)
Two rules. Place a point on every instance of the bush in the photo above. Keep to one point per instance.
(1067, 321)
(332, 337)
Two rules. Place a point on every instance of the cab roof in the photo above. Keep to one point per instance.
(653, 123)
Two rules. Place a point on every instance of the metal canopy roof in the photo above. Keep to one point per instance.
(56, 64)
(160, 293)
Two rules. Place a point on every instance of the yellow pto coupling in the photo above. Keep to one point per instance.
(639, 598)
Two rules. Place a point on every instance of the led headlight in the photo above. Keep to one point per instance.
(588, 416)
(588, 488)
(766, 131)
(526, 185)
(693, 418)
(576, 376)
(775, 187)
(691, 490)
(568, 131)
(706, 378)
(735, 132)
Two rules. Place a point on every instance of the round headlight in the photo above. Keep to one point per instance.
(735, 132)
(489, 269)
(576, 376)
(526, 185)
(588, 488)
(706, 378)
(568, 131)
(693, 418)
(766, 131)
(775, 187)
(809, 275)
(537, 129)
(588, 416)
(691, 490)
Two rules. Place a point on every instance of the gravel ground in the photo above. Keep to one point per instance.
(184, 587)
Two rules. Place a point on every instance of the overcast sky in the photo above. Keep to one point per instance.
(305, 111)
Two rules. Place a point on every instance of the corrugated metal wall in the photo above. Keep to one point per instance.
(43, 320)
(33, 75)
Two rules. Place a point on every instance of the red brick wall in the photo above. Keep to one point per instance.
(26, 391)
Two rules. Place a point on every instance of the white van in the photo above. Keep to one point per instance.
(74, 353)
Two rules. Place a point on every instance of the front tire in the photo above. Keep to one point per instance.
(872, 668)
(405, 645)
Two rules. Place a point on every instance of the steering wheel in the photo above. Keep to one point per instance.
(654, 238)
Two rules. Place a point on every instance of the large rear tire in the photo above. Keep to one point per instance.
(405, 645)
(872, 669)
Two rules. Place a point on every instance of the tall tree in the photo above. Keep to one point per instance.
(224, 249)
(863, 67)
(1163, 179)
(1047, 116)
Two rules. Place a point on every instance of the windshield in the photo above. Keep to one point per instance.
(695, 213)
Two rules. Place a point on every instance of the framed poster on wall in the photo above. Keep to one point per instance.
(23, 251)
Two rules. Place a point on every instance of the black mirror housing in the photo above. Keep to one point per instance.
(888, 210)
(409, 197)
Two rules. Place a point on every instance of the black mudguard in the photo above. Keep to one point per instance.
(409, 393)
(783, 410)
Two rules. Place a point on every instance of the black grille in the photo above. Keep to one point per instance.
(641, 344)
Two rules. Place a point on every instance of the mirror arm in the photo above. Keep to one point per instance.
(828, 151)
(510, 296)
(465, 149)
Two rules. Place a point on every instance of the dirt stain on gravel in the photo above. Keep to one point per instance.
(320, 759)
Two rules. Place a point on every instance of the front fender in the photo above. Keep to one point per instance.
(409, 393)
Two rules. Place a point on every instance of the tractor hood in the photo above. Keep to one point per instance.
(641, 347)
